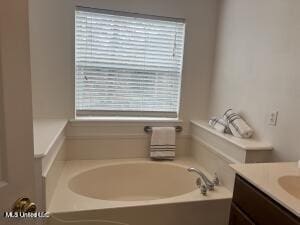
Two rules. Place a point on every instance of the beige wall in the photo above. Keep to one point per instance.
(52, 38)
(257, 68)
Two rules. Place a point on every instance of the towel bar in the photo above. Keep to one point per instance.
(148, 129)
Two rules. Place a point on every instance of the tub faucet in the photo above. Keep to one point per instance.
(209, 184)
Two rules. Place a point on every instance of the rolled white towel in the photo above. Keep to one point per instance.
(237, 125)
(219, 124)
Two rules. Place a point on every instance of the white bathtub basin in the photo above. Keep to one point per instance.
(133, 182)
(88, 185)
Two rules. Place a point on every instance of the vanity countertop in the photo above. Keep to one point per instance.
(265, 176)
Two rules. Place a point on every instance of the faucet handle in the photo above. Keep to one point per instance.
(216, 180)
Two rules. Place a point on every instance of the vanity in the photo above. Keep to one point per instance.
(266, 194)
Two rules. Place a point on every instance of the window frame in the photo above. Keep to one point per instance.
(127, 113)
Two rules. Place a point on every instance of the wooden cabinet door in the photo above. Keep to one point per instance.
(237, 217)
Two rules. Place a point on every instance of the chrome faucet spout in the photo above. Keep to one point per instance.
(209, 184)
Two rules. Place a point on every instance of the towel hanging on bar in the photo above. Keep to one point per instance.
(163, 143)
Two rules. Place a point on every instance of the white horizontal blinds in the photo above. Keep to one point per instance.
(127, 64)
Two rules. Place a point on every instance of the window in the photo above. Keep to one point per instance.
(127, 64)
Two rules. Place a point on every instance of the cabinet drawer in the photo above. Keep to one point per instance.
(237, 217)
(259, 207)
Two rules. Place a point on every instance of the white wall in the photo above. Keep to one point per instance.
(52, 44)
(51, 58)
(257, 68)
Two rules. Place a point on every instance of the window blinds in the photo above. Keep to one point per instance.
(127, 64)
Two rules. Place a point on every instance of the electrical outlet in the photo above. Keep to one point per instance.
(272, 118)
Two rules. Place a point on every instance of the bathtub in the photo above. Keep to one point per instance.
(133, 182)
(135, 192)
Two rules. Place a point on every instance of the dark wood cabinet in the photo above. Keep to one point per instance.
(237, 217)
(250, 206)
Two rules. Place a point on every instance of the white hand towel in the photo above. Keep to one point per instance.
(238, 125)
(163, 143)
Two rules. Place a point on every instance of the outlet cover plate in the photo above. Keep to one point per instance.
(272, 118)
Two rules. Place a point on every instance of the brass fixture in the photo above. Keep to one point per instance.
(24, 205)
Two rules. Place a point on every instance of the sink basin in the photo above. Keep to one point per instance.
(291, 184)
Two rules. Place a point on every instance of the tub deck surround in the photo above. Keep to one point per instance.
(190, 213)
(45, 132)
(265, 176)
(117, 127)
(115, 139)
(66, 200)
(48, 148)
(48, 136)
(232, 148)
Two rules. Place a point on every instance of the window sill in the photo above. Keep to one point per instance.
(126, 119)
